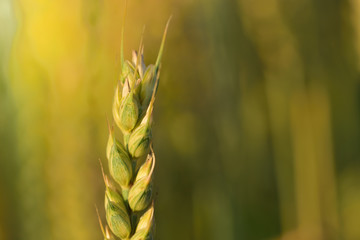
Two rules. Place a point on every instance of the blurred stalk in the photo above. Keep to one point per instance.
(349, 202)
(341, 73)
(283, 72)
(29, 91)
(321, 123)
(314, 165)
(50, 89)
(223, 39)
(8, 221)
(355, 17)
(306, 170)
(349, 180)
(326, 62)
(316, 215)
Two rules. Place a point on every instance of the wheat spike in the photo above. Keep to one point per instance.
(128, 196)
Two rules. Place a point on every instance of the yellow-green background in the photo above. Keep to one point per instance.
(256, 124)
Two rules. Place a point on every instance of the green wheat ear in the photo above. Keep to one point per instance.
(128, 196)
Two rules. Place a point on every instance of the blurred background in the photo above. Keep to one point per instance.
(257, 124)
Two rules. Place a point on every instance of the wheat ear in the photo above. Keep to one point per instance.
(128, 196)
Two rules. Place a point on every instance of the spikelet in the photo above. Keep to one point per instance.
(140, 195)
(144, 229)
(128, 193)
(147, 166)
(128, 112)
(141, 192)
